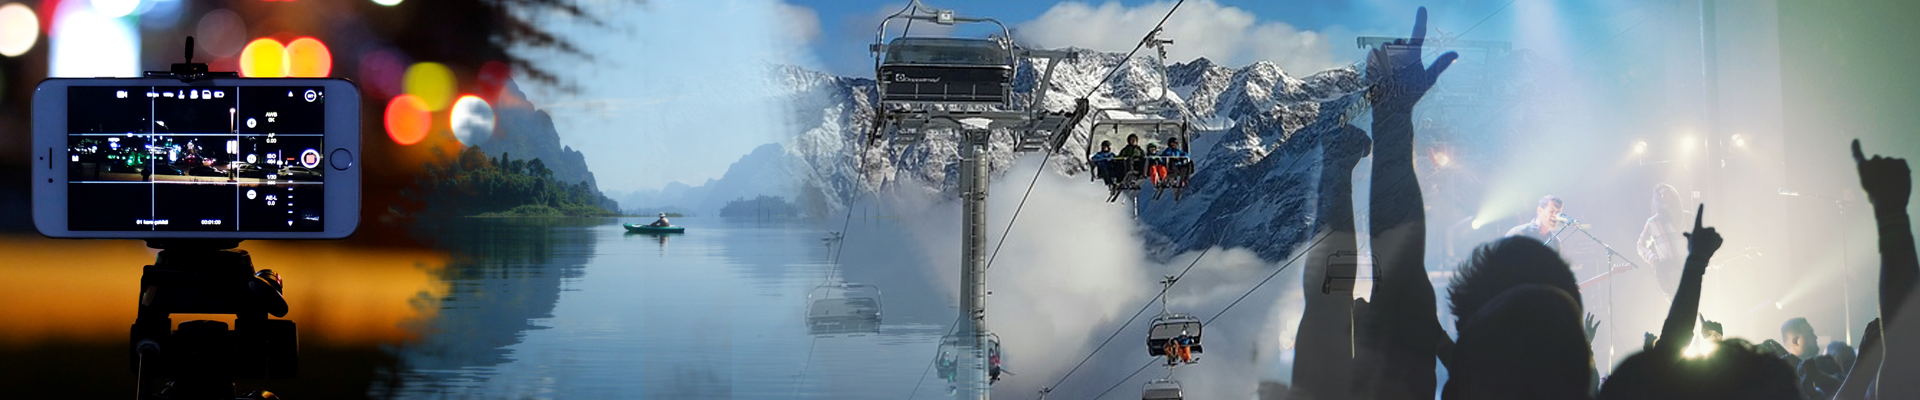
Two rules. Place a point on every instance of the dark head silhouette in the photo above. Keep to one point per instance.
(1734, 370)
(1525, 343)
(1504, 264)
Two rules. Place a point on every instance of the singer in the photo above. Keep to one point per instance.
(1545, 221)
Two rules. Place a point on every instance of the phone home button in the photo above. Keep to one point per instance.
(340, 159)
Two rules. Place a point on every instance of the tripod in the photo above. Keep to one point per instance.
(203, 358)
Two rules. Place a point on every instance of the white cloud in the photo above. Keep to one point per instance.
(802, 24)
(1202, 28)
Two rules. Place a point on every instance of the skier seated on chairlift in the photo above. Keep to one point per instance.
(1131, 156)
(662, 223)
(1103, 162)
(1176, 160)
(947, 367)
(1180, 349)
(993, 366)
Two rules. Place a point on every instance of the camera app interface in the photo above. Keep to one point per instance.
(199, 158)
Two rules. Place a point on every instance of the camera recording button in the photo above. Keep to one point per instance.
(340, 159)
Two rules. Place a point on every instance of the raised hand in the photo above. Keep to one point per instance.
(1395, 76)
(1887, 180)
(1593, 325)
(1703, 241)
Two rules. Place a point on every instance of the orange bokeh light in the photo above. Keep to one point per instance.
(408, 119)
(263, 58)
(308, 58)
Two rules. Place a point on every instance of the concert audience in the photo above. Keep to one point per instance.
(1518, 306)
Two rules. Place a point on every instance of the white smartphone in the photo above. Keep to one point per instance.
(241, 158)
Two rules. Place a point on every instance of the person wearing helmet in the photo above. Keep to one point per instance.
(1176, 161)
(662, 223)
(1184, 344)
(1103, 162)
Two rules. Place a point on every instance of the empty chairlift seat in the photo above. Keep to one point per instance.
(937, 70)
(1167, 326)
(844, 308)
(1161, 389)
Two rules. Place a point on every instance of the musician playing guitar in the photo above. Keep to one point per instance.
(1660, 244)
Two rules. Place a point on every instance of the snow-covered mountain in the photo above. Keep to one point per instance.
(1257, 167)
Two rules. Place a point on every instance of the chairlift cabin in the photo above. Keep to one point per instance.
(1166, 327)
(1161, 389)
(1130, 173)
(843, 308)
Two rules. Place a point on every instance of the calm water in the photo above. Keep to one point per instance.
(579, 308)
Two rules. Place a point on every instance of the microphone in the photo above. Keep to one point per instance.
(1563, 218)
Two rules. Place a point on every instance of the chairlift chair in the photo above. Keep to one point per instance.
(921, 73)
(951, 346)
(1128, 175)
(1161, 389)
(1167, 326)
(838, 308)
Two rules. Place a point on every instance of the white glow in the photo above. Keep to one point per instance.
(115, 8)
(19, 29)
(85, 44)
(388, 3)
(472, 120)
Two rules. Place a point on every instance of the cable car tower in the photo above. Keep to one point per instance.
(965, 85)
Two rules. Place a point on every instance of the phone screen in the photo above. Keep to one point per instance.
(200, 158)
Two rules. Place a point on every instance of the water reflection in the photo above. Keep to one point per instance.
(71, 301)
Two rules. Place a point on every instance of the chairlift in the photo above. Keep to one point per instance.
(1161, 389)
(1169, 326)
(947, 362)
(1130, 174)
(839, 308)
(1148, 124)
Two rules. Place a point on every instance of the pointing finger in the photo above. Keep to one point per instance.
(1698, 215)
(1857, 156)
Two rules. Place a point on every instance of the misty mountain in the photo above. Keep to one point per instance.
(767, 171)
(1255, 145)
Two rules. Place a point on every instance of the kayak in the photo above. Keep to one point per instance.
(654, 229)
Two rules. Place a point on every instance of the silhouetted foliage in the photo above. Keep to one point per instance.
(502, 186)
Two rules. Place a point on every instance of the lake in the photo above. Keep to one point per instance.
(515, 308)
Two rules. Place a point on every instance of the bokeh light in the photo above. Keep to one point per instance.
(115, 8)
(493, 78)
(388, 3)
(408, 119)
(308, 58)
(263, 58)
(472, 120)
(432, 83)
(19, 29)
(380, 72)
(220, 33)
(84, 44)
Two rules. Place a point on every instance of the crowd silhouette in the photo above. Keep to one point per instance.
(1521, 334)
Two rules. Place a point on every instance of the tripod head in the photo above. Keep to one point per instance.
(203, 357)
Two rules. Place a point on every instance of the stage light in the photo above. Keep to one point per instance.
(1640, 147)
(1739, 141)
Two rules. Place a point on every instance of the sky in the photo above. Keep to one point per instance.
(671, 93)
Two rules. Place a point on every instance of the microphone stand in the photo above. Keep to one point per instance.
(1611, 254)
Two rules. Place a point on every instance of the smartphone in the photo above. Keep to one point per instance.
(241, 158)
